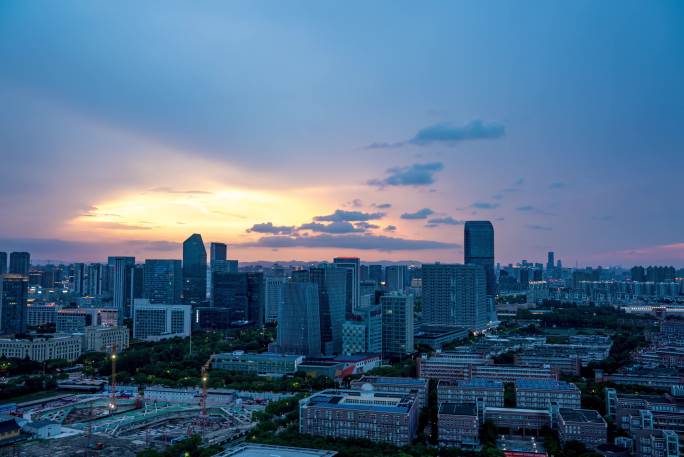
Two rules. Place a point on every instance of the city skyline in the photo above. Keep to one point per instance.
(310, 131)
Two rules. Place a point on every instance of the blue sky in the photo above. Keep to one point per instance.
(126, 126)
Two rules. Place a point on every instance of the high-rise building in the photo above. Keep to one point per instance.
(299, 327)
(397, 324)
(194, 270)
(154, 322)
(218, 253)
(242, 293)
(332, 299)
(273, 293)
(3, 263)
(455, 295)
(95, 279)
(396, 277)
(20, 263)
(479, 250)
(376, 273)
(79, 279)
(13, 303)
(163, 281)
(550, 262)
(353, 266)
(136, 283)
(121, 283)
(363, 333)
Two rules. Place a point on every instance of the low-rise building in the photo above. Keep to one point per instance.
(584, 425)
(450, 365)
(103, 339)
(436, 336)
(43, 430)
(488, 392)
(563, 362)
(518, 419)
(413, 386)
(539, 394)
(42, 348)
(263, 364)
(512, 373)
(267, 450)
(365, 413)
(458, 425)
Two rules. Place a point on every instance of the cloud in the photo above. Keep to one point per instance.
(419, 174)
(390, 228)
(558, 185)
(420, 214)
(448, 220)
(268, 227)
(484, 205)
(365, 225)
(333, 227)
(533, 210)
(170, 190)
(382, 205)
(341, 215)
(447, 134)
(117, 226)
(361, 242)
(542, 228)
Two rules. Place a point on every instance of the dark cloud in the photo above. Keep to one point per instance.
(382, 205)
(362, 242)
(448, 220)
(484, 205)
(333, 227)
(542, 228)
(420, 214)
(390, 228)
(268, 227)
(365, 225)
(447, 134)
(525, 208)
(533, 210)
(341, 215)
(419, 174)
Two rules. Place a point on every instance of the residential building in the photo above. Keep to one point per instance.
(365, 413)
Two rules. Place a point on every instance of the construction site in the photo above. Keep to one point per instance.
(123, 420)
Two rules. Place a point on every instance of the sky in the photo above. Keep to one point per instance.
(306, 129)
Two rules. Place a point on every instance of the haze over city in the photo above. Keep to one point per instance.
(304, 130)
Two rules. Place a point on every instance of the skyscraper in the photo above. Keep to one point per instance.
(121, 284)
(13, 300)
(96, 280)
(299, 328)
(242, 293)
(79, 279)
(397, 324)
(218, 253)
(479, 250)
(351, 264)
(273, 297)
(3, 263)
(550, 262)
(455, 295)
(19, 263)
(163, 281)
(332, 299)
(395, 277)
(194, 270)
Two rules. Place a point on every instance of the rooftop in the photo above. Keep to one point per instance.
(393, 380)
(544, 384)
(264, 450)
(363, 400)
(581, 415)
(458, 409)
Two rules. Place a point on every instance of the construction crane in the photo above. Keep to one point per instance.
(205, 378)
(112, 400)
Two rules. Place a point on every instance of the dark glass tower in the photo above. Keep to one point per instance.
(13, 299)
(19, 263)
(162, 281)
(3, 263)
(194, 270)
(479, 250)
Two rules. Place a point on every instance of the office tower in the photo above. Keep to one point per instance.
(194, 270)
(352, 265)
(94, 279)
(137, 282)
(19, 263)
(153, 322)
(363, 333)
(242, 293)
(376, 273)
(332, 300)
(550, 262)
(121, 283)
(299, 327)
(364, 272)
(397, 324)
(479, 250)
(273, 293)
(218, 252)
(3, 263)
(162, 281)
(78, 286)
(395, 277)
(455, 295)
(13, 303)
